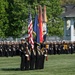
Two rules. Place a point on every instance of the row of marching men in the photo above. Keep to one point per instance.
(12, 48)
(32, 58)
(9, 48)
(63, 47)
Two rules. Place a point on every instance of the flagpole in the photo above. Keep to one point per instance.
(35, 10)
(30, 29)
(44, 24)
(40, 23)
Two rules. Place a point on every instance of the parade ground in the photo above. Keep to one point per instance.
(63, 64)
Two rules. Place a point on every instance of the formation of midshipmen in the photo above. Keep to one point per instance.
(64, 47)
(30, 59)
(9, 48)
(34, 59)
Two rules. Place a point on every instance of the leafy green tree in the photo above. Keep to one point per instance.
(17, 11)
(55, 23)
(67, 2)
(3, 18)
(14, 16)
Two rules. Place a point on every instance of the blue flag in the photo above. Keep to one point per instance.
(36, 29)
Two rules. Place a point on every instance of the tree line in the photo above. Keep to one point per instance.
(14, 16)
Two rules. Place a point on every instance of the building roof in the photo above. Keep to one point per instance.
(69, 13)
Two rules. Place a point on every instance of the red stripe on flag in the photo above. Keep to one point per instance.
(30, 30)
(40, 24)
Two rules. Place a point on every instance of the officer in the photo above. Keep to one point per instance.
(5, 47)
(35, 48)
(58, 48)
(17, 48)
(54, 48)
(9, 49)
(23, 52)
(20, 48)
(51, 48)
(71, 47)
(37, 61)
(74, 46)
(14, 48)
(27, 55)
(49, 51)
(32, 59)
(43, 55)
(1, 49)
(65, 47)
(46, 45)
(62, 47)
(41, 58)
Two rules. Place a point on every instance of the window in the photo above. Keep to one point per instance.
(68, 26)
(74, 28)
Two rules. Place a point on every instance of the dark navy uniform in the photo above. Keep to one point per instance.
(23, 52)
(42, 57)
(71, 47)
(10, 49)
(58, 48)
(65, 47)
(32, 59)
(27, 57)
(50, 49)
(5, 47)
(14, 49)
(17, 48)
(54, 48)
(1, 49)
(37, 61)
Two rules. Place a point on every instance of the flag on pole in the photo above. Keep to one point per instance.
(36, 29)
(40, 24)
(30, 31)
(44, 24)
(44, 14)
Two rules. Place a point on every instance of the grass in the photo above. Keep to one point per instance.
(56, 65)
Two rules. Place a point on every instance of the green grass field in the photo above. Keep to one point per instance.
(56, 65)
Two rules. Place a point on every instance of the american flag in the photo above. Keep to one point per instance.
(30, 31)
